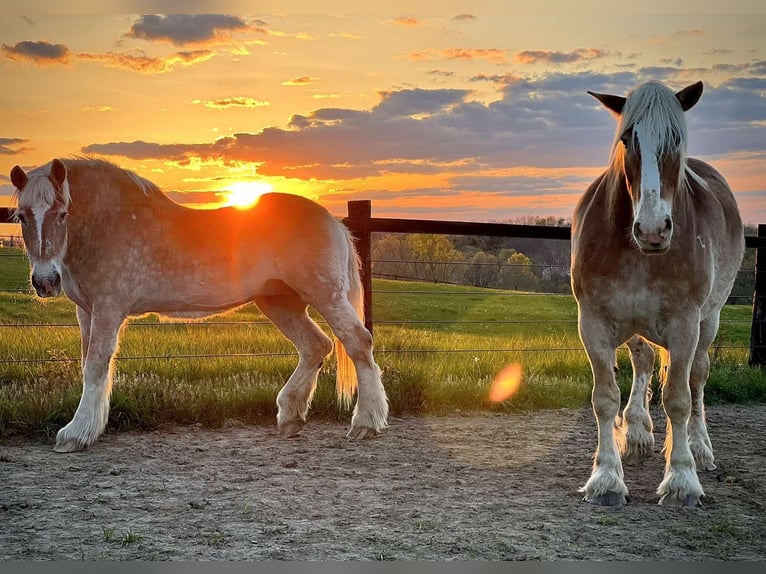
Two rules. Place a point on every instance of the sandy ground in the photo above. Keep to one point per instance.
(468, 487)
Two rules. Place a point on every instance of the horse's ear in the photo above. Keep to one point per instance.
(58, 173)
(18, 177)
(613, 103)
(690, 95)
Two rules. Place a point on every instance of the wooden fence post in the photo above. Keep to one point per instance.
(758, 329)
(359, 213)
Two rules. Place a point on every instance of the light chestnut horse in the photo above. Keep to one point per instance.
(657, 241)
(119, 247)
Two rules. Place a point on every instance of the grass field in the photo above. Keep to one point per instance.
(439, 347)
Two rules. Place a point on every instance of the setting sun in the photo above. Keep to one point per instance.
(244, 194)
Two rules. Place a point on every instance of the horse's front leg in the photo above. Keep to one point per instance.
(84, 320)
(92, 413)
(605, 486)
(636, 420)
(680, 486)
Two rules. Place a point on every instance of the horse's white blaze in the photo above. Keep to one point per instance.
(652, 210)
(38, 213)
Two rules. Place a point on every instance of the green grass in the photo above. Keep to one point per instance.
(430, 364)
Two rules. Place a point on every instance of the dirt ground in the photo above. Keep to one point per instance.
(466, 487)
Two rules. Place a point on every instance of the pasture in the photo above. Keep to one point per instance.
(439, 346)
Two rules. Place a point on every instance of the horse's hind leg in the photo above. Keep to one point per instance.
(637, 425)
(699, 440)
(371, 410)
(288, 313)
(93, 411)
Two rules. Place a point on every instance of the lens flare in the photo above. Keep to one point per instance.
(506, 383)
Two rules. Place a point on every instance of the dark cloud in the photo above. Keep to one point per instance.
(9, 146)
(464, 17)
(38, 52)
(417, 101)
(183, 29)
(549, 122)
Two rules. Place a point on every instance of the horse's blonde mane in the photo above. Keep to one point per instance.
(144, 185)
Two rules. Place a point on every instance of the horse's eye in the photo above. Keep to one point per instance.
(22, 219)
(62, 216)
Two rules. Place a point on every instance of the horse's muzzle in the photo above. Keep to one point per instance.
(49, 286)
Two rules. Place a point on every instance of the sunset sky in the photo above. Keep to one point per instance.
(451, 110)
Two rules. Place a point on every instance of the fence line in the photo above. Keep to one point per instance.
(362, 225)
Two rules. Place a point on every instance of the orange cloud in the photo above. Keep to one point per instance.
(147, 65)
(300, 81)
(493, 55)
(236, 102)
(554, 57)
(407, 21)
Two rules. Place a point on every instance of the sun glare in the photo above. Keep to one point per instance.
(244, 194)
(506, 383)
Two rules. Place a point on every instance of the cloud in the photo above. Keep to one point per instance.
(493, 55)
(407, 21)
(7, 146)
(41, 53)
(345, 35)
(98, 109)
(236, 102)
(406, 103)
(148, 65)
(548, 122)
(684, 33)
(300, 81)
(185, 29)
(554, 57)
(464, 17)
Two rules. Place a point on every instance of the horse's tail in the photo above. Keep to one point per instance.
(346, 380)
(664, 366)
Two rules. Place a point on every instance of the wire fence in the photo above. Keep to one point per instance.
(23, 288)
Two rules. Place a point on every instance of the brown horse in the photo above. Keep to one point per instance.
(119, 247)
(657, 241)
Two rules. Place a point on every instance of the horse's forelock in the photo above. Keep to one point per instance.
(663, 125)
(661, 116)
(40, 191)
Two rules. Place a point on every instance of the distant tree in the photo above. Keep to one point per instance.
(433, 253)
(484, 270)
(392, 257)
(519, 274)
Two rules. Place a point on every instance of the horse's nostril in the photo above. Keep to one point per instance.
(636, 228)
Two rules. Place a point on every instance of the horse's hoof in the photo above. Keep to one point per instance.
(609, 498)
(70, 445)
(689, 501)
(291, 428)
(362, 433)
